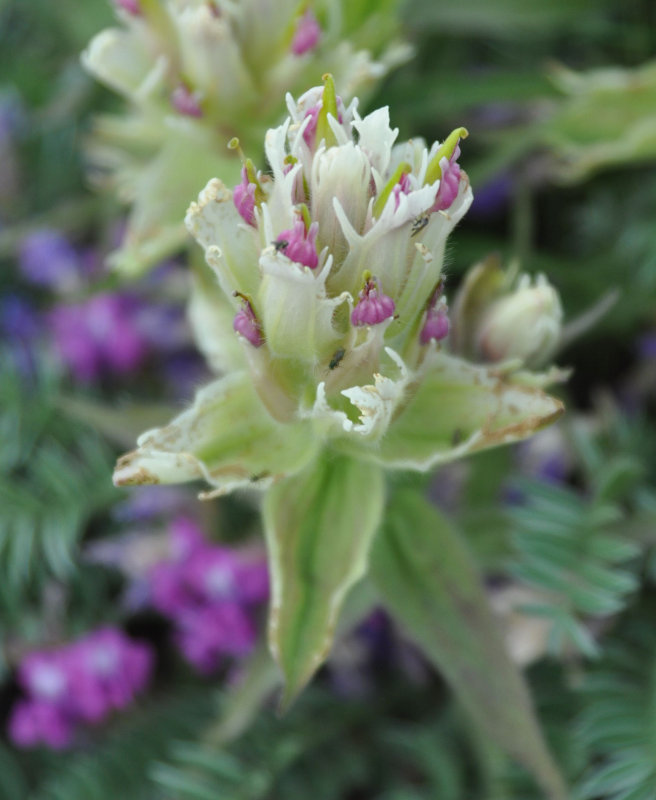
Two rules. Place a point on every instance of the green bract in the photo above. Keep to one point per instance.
(333, 268)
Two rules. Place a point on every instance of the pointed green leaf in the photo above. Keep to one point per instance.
(460, 408)
(428, 581)
(319, 526)
(227, 437)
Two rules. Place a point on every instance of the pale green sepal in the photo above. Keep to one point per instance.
(319, 525)
(460, 408)
(226, 437)
(428, 581)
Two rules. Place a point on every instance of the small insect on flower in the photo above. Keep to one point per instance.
(338, 355)
(279, 245)
(419, 223)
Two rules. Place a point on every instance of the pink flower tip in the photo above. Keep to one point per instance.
(437, 324)
(247, 324)
(186, 102)
(449, 183)
(299, 244)
(307, 34)
(310, 130)
(243, 196)
(131, 6)
(373, 306)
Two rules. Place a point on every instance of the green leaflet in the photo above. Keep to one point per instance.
(428, 581)
(227, 437)
(319, 525)
(460, 408)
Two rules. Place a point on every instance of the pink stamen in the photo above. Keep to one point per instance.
(247, 324)
(310, 132)
(307, 34)
(186, 102)
(402, 187)
(373, 306)
(131, 6)
(243, 196)
(437, 324)
(300, 245)
(449, 183)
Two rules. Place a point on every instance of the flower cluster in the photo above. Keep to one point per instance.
(334, 351)
(330, 276)
(196, 72)
(80, 683)
(210, 593)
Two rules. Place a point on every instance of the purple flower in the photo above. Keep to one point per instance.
(35, 722)
(84, 681)
(208, 634)
(99, 335)
(47, 258)
(107, 670)
(149, 502)
(211, 594)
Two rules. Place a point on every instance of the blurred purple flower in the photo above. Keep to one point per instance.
(47, 258)
(210, 593)
(150, 502)
(492, 198)
(647, 346)
(99, 335)
(19, 326)
(84, 681)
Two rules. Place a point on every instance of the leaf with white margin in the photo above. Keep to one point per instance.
(428, 581)
(319, 525)
(231, 247)
(460, 408)
(226, 437)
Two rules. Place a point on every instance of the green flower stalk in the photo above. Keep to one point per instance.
(333, 268)
(195, 73)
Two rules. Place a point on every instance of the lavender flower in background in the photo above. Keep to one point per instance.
(19, 326)
(82, 682)
(210, 593)
(47, 258)
(98, 335)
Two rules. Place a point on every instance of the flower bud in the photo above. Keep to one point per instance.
(525, 324)
(306, 35)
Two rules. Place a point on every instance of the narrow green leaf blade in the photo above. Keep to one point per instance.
(319, 525)
(429, 583)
